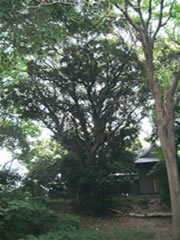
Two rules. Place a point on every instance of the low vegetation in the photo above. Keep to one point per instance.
(94, 235)
(24, 216)
(27, 219)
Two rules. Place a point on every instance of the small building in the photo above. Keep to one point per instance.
(145, 183)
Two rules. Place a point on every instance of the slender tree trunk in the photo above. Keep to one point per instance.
(166, 132)
(166, 135)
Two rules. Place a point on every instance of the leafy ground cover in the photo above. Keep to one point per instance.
(95, 235)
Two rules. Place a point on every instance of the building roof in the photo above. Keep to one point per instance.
(148, 155)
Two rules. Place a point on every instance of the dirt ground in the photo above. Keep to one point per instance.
(161, 226)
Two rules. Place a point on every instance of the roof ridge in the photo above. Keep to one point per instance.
(146, 151)
(142, 157)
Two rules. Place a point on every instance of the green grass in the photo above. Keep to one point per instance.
(95, 235)
(130, 200)
(124, 234)
(128, 234)
(60, 201)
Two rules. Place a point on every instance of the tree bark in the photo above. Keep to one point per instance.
(166, 132)
(168, 147)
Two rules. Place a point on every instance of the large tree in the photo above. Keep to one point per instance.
(84, 93)
(146, 20)
(89, 91)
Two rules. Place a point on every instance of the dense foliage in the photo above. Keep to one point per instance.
(90, 92)
(44, 177)
(22, 214)
(72, 68)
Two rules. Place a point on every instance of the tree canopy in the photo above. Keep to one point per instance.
(85, 93)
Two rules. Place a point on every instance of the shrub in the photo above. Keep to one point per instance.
(20, 217)
(69, 222)
(159, 172)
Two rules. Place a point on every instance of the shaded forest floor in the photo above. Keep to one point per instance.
(116, 221)
(160, 226)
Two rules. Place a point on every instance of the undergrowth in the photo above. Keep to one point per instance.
(94, 235)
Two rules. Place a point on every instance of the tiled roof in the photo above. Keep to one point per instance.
(148, 155)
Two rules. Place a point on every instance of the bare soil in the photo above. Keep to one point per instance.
(161, 226)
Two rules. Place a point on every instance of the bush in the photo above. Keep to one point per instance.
(94, 194)
(20, 217)
(159, 172)
(9, 180)
(69, 222)
(94, 191)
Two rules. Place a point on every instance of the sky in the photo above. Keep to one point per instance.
(5, 157)
(145, 132)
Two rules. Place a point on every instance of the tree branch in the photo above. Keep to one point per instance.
(170, 14)
(150, 13)
(176, 100)
(173, 38)
(141, 16)
(51, 112)
(160, 24)
(171, 91)
(160, 19)
(124, 11)
(76, 128)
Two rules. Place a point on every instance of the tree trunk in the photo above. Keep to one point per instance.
(168, 147)
(166, 132)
